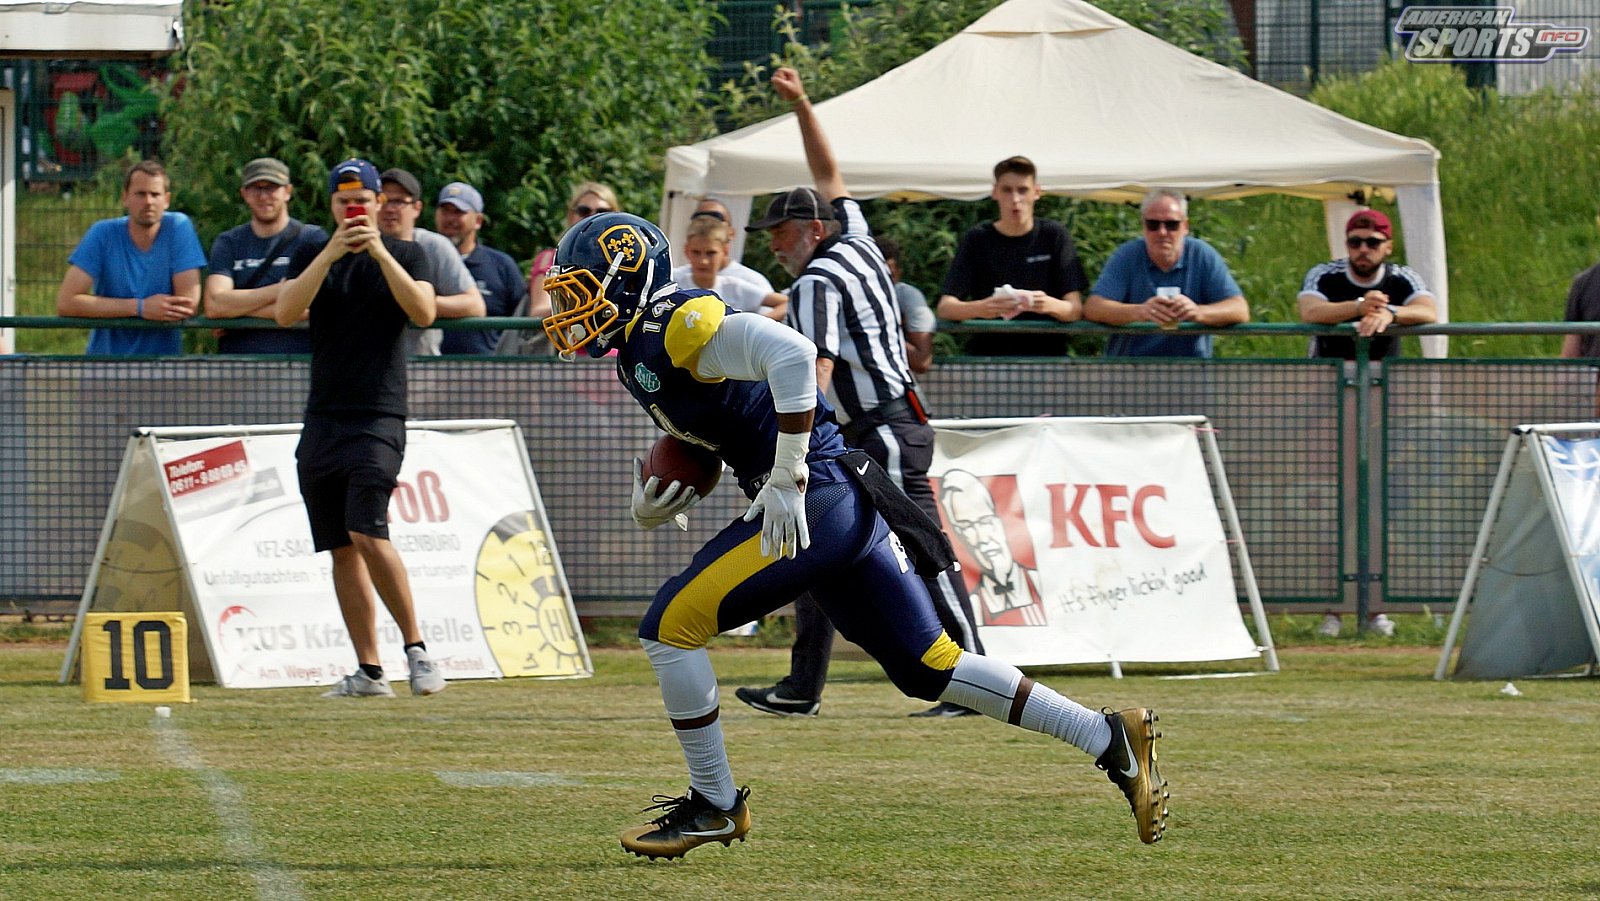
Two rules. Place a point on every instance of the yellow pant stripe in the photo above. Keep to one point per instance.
(690, 619)
(943, 654)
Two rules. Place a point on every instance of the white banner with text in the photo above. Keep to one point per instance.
(1086, 541)
(466, 519)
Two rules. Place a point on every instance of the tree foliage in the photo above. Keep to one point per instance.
(521, 98)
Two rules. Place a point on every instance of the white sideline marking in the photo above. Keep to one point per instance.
(476, 779)
(38, 775)
(273, 883)
(1213, 676)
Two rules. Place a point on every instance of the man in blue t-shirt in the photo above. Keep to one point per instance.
(459, 216)
(145, 264)
(1166, 278)
(250, 262)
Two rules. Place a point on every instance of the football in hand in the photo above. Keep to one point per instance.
(673, 459)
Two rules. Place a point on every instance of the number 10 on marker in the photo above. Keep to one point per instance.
(138, 657)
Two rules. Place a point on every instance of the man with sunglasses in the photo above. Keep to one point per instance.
(1366, 289)
(1168, 277)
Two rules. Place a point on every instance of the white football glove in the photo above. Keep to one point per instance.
(781, 502)
(653, 505)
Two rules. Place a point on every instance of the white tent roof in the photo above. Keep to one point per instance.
(1103, 109)
(89, 28)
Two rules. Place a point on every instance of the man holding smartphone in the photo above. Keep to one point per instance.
(361, 288)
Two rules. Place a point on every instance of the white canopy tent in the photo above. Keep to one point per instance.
(1105, 111)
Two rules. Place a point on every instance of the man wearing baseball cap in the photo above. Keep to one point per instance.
(360, 289)
(458, 294)
(459, 216)
(1366, 289)
(249, 263)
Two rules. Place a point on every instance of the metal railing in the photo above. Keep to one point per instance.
(1359, 484)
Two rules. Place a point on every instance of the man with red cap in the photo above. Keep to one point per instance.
(1366, 289)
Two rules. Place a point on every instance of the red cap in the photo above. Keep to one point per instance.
(1371, 219)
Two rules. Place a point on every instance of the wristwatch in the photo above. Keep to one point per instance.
(1393, 310)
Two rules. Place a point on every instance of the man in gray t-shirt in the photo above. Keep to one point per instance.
(459, 296)
(917, 321)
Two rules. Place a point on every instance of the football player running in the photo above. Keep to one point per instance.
(744, 387)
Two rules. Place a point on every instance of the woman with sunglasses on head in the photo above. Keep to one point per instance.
(587, 199)
(1168, 277)
(1366, 289)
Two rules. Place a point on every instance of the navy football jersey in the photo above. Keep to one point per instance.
(732, 418)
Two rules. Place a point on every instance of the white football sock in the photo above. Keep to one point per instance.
(689, 691)
(990, 687)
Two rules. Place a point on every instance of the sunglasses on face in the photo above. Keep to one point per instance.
(1374, 242)
(585, 211)
(1155, 225)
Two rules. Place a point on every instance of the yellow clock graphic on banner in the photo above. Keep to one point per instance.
(525, 617)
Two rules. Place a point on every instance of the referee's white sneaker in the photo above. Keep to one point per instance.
(425, 677)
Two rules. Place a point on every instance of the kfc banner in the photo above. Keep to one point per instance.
(1089, 541)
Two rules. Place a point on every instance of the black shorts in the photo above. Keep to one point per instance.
(348, 466)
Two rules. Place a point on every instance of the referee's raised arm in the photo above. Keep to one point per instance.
(819, 153)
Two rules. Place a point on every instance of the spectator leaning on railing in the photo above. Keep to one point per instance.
(145, 264)
(249, 263)
(1365, 289)
(1016, 267)
(1167, 278)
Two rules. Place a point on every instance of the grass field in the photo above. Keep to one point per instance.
(1351, 774)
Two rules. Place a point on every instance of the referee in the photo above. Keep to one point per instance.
(843, 300)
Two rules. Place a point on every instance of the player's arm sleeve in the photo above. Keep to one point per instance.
(752, 348)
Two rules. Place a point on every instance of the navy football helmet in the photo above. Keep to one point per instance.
(607, 267)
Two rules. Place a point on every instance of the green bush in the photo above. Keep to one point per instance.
(522, 98)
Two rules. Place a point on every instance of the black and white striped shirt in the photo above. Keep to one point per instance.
(844, 301)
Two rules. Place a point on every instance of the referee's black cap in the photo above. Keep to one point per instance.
(797, 203)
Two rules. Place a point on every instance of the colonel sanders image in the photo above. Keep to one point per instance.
(1007, 593)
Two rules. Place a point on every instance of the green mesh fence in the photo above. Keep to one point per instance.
(1285, 429)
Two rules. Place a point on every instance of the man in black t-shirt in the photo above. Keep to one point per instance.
(250, 262)
(361, 289)
(1016, 267)
(1365, 289)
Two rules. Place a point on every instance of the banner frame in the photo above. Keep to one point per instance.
(1526, 437)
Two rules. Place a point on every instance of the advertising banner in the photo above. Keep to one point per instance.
(1090, 541)
(489, 591)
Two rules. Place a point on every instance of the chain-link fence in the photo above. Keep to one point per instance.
(1294, 44)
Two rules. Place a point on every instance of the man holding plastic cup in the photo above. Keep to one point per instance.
(1168, 277)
